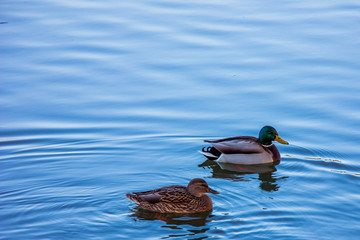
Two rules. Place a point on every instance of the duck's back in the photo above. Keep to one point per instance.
(171, 199)
(240, 144)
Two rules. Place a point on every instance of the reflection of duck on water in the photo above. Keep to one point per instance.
(236, 172)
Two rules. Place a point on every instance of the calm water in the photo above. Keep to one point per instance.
(103, 98)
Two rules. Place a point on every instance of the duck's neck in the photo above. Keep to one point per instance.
(265, 141)
(208, 201)
(265, 145)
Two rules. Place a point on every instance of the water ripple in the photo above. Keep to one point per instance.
(103, 98)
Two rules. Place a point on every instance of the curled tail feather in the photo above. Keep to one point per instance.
(210, 153)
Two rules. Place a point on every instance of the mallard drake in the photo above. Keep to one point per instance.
(176, 198)
(246, 150)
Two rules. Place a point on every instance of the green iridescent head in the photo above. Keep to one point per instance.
(268, 134)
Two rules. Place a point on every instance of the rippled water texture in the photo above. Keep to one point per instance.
(101, 98)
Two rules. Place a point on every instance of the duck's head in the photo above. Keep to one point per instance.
(198, 187)
(268, 134)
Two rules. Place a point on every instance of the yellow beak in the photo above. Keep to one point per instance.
(280, 140)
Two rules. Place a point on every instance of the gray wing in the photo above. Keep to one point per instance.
(243, 144)
(151, 198)
(166, 194)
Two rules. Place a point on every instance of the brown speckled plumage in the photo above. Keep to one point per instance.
(176, 198)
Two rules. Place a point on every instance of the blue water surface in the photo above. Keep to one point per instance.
(102, 98)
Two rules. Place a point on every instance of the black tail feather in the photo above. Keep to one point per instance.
(211, 150)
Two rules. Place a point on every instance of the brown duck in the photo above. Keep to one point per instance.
(176, 198)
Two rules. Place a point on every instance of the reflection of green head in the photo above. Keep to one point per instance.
(268, 134)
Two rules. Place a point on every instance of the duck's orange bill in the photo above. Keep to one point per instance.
(213, 191)
(280, 140)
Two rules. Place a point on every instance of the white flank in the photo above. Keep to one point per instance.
(245, 159)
